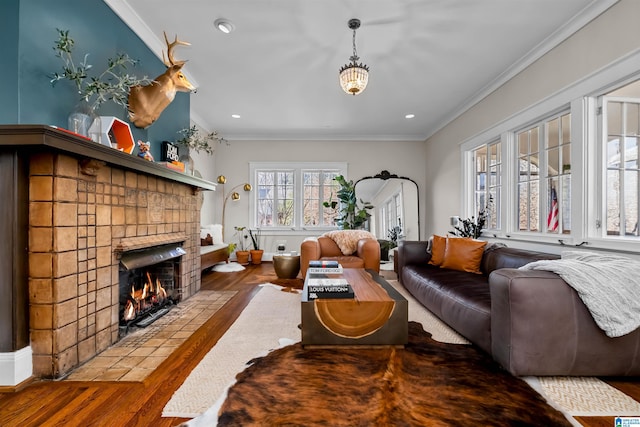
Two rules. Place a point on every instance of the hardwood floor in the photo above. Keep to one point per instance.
(57, 403)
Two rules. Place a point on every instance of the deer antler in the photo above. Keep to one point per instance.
(170, 61)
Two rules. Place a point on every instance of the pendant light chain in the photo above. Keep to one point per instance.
(355, 57)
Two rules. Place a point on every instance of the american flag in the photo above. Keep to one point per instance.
(552, 218)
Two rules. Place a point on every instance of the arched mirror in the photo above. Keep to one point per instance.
(395, 204)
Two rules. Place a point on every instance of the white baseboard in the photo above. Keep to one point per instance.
(16, 367)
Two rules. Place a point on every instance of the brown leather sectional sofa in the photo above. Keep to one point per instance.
(532, 322)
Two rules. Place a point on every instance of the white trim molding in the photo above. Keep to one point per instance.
(16, 367)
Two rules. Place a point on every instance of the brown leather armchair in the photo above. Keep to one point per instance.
(323, 248)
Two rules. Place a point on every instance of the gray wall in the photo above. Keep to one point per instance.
(612, 35)
(364, 158)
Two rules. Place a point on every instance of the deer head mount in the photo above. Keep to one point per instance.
(146, 103)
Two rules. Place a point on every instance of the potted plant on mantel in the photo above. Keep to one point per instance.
(242, 254)
(256, 252)
(93, 90)
(193, 139)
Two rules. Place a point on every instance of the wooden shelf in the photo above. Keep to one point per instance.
(35, 137)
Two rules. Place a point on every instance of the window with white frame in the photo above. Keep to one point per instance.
(319, 186)
(487, 161)
(544, 168)
(572, 176)
(558, 174)
(290, 196)
(275, 198)
(528, 163)
(621, 143)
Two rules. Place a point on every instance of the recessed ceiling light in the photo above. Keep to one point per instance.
(235, 116)
(409, 116)
(224, 25)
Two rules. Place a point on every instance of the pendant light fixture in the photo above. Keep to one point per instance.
(354, 76)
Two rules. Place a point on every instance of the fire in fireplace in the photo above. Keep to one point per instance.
(149, 285)
(141, 301)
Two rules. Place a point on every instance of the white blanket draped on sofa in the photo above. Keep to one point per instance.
(608, 285)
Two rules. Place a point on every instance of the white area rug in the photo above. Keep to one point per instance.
(228, 267)
(269, 321)
(273, 314)
(586, 396)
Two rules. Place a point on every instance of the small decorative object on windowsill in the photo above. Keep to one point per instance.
(111, 85)
(472, 227)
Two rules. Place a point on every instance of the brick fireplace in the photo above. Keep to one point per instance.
(85, 210)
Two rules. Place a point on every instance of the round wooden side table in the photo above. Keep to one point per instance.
(286, 266)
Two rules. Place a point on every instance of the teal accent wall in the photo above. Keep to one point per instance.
(9, 16)
(98, 31)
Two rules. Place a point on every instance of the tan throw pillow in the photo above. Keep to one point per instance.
(437, 250)
(463, 255)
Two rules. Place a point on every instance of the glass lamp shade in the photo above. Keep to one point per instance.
(354, 78)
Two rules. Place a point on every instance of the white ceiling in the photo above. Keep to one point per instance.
(279, 69)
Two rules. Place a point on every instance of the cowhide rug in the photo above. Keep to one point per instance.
(287, 284)
(425, 384)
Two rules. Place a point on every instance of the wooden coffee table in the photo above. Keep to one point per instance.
(378, 315)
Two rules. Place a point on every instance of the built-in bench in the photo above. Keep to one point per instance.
(212, 249)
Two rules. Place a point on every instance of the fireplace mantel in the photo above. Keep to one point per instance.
(42, 136)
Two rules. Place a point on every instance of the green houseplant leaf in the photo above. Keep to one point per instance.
(352, 212)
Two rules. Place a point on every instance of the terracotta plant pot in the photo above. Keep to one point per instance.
(256, 256)
(243, 257)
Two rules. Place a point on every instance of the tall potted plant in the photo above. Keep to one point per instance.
(242, 254)
(353, 212)
(256, 252)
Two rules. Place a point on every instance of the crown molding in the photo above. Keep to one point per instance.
(142, 30)
(588, 14)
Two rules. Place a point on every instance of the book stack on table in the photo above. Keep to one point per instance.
(321, 286)
(329, 289)
(324, 267)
